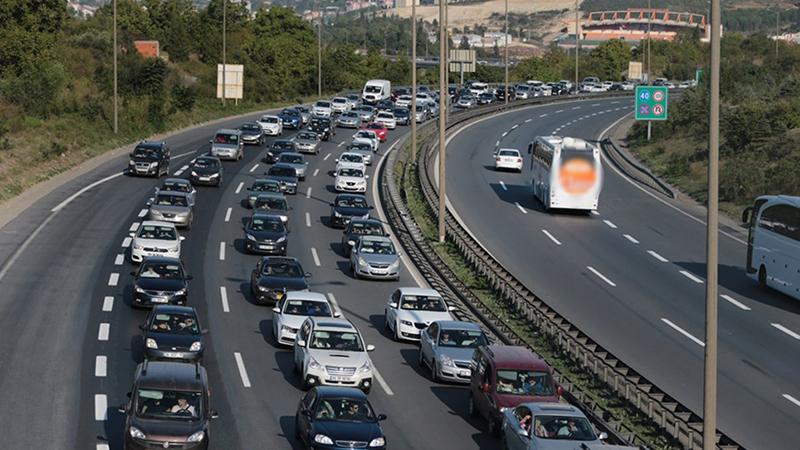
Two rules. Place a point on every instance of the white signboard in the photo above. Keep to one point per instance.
(462, 61)
(234, 81)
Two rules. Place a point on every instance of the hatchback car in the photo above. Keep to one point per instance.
(322, 108)
(402, 116)
(278, 147)
(348, 159)
(346, 207)
(366, 112)
(160, 280)
(486, 98)
(293, 310)
(272, 125)
(548, 426)
(206, 170)
(291, 118)
(375, 257)
(285, 175)
(172, 333)
(465, 101)
(275, 204)
(387, 119)
(178, 185)
(227, 144)
(172, 207)
(508, 159)
(338, 417)
(307, 142)
(358, 227)
(261, 186)
(265, 233)
(274, 276)
(379, 129)
(350, 119)
(155, 238)
(295, 160)
(409, 310)
(252, 133)
(323, 127)
(446, 347)
(340, 105)
(351, 179)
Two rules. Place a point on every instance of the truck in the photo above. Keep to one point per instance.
(376, 90)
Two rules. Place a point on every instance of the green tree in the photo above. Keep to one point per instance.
(610, 59)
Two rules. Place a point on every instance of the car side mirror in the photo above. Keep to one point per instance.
(351, 243)
(485, 388)
(382, 417)
(132, 234)
(128, 395)
(142, 326)
(307, 275)
(451, 308)
(300, 343)
(276, 310)
(370, 348)
(122, 409)
(214, 414)
(603, 436)
(183, 238)
(306, 412)
(366, 176)
(393, 305)
(337, 314)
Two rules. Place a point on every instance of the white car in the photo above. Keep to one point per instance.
(423, 98)
(293, 310)
(628, 86)
(387, 119)
(154, 238)
(340, 105)
(403, 101)
(606, 85)
(272, 125)
(331, 351)
(349, 159)
(508, 159)
(322, 108)
(367, 136)
(351, 179)
(410, 310)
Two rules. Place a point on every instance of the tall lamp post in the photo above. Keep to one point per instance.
(414, 81)
(442, 114)
(577, 44)
(116, 111)
(505, 87)
(319, 51)
(224, 47)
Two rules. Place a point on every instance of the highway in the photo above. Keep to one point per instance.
(71, 339)
(632, 275)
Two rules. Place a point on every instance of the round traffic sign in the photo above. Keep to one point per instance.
(658, 110)
(658, 96)
(644, 110)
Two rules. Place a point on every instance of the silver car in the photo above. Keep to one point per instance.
(259, 187)
(295, 160)
(173, 207)
(362, 148)
(227, 144)
(350, 119)
(307, 142)
(375, 257)
(446, 347)
(548, 426)
(294, 309)
(366, 112)
(305, 113)
(178, 185)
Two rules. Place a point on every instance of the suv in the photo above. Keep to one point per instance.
(149, 158)
(323, 127)
(169, 407)
(504, 377)
(227, 144)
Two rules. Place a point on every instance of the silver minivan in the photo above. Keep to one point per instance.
(227, 144)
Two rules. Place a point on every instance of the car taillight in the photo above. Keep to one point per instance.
(498, 159)
(519, 160)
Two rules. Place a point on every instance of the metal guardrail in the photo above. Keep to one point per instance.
(673, 418)
(636, 171)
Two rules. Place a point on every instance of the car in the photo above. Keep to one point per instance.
(340, 105)
(522, 92)
(172, 207)
(307, 142)
(368, 136)
(351, 179)
(252, 133)
(358, 226)
(409, 310)
(172, 333)
(433, 109)
(423, 113)
(295, 160)
(446, 347)
(353, 99)
(627, 86)
(178, 185)
(265, 233)
(349, 119)
(168, 405)
(384, 105)
(290, 313)
(329, 415)
(278, 146)
(227, 144)
(507, 376)
(660, 82)
(402, 116)
(424, 98)
(331, 351)
(274, 204)
(272, 125)
(291, 118)
(155, 238)
(349, 159)
(206, 170)
(323, 127)
(508, 159)
(366, 112)
(149, 158)
(387, 119)
(500, 93)
(285, 175)
(273, 276)
(261, 186)
(363, 148)
(375, 257)
(404, 101)
(606, 85)
(322, 108)
(346, 207)
(465, 101)
(486, 98)
(159, 280)
(305, 114)
(548, 426)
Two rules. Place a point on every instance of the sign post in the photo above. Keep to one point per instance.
(462, 61)
(651, 104)
(231, 76)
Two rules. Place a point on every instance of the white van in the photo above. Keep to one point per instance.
(478, 88)
(376, 90)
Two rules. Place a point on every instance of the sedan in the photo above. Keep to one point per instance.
(265, 233)
(379, 129)
(346, 207)
(307, 142)
(363, 148)
(172, 333)
(178, 185)
(338, 417)
(358, 227)
(508, 159)
(272, 125)
(293, 310)
(206, 170)
(160, 280)
(290, 117)
(274, 204)
(353, 99)
(446, 347)
(278, 147)
(252, 133)
(366, 112)
(340, 105)
(259, 187)
(171, 207)
(369, 136)
(347, 159)
(285, 175)
(294, 160)
(486, 98)
(273, 276)
(384, 105)
(351, 179)
(410, 310)
(548, 426)
(322, 108)
(375, 257)
(465, 102)
(349, 119)
(154, 238)
(404, 101)
(402, 115)
(387, 119)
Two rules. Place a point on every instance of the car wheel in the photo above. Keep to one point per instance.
(473, 412)
(189, 223)
(396, 333)
(420, 359)
(353, 269)
(762, 277)
(385, 321)
(494, 427)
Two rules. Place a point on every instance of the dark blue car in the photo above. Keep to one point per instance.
(333, 418)
(291, 118)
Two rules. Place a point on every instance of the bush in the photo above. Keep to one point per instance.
(36, 88)
(183, 97)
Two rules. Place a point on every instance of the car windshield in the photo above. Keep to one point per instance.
(351, 202)
(462, 338)
(349, 157)
(509, 153)
(175, 323)
(282, 171)
(171, 200)
(269, 119)
(225, 138)
(264, 224)
(176, 186)
(522, 88)
(564, 428)
(158, 232)
(366, 229)
(359, 148)
(171, 405)
(345, 341)
(372, 89)
(205, 163)
(162, 271)
(323, 104)
(290, 112)
(266, 186)
(386, 115)
(278, 204)
(423, 303)
(378, 247)
(350, 115)
(339, 100)
(524, 382)
(344, 410)
(347, 172)
(375, 126)
(364, 135)
(400, 111)
(365, 108)
(307, 136)
(319, 123)
(250, 127)
(283, 146)
(307, 308)
(291, 159)
(283, 269)
(148, 153)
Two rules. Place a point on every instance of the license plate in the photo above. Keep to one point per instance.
(463, 373)
(173, 355)
(265, 247)
(205, 178)
(159, 300)
(339, 378)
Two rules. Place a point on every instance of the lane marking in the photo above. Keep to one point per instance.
(610, 223)
(103, 331)
(505, 134)
(601, 276)
(108, 303)
(134, 226)
(631, 238)
(253, 169)
(222, 251)
(228, 214)
(178, 173)
(515, 127)
(503, 185)
(340, 144)
(100, 407)
(657, 256)
(595, 104)
(335, 304)
(183, 169)
(595, 213)
(691, 276)
(100, 366)
(791, 399)
(223, 293)
(315, 256)
(735, 302)
(316, 171)
(326, 157)
(308, 219)
(576, 107)
(119, 260)
(126, 242)
(614, 102)
(521, 208)
(497, 144)
(113, 279)
(529, 120)
(552, 238)
(308, 192)
(786, 330)
(239, 187)
(142, 213)
(72, 197)
(242, 370)
(542, 115)
(380, 379)
(683, 332)
(102, 447)
(559, 111)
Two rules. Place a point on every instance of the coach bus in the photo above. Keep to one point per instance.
(773, 243)
(567, 173)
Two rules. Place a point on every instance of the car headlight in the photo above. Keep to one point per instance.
(446, 361)
(314, 365)
(407, 323)
(286, 329)
(153, 164)
(365, 216)
(174, 249)
(504, 409)
(365, 367)
(337, 214)
(197, 437)
(136, 433)
(395, 263)
(214, 175)
(138, 289)
(263, 288)
(322, 439)
(194, 174)
(377, 442)
(196, 346)
(361, 261)
(180, 292)
(250, 237)
(280, 239)
(151, 343)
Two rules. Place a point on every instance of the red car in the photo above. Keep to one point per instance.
(379, 129)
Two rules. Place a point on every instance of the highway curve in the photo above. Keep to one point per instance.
(632, 276)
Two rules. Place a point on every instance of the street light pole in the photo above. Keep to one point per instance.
(577, 44)
(442, 114)
(649, 20)
(224, 47)
(414, 81)
(505, 95)
(319, 52)
(116, 111)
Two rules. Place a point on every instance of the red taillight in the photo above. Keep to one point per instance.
(519, 160)
(498, 159)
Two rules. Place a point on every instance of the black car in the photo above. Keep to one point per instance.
(149, 158)
(173, 333)
(284, 174)
(402, 115)
(169, 407)
(206, 170)
(331, 417)
(273, 276)
(265, 233)
(278, 146)
(357, 228)
(384, 105)
(252, 133)
(160, 280)
(348, 206)
(323, 127)
(500, 93)
(291, 118)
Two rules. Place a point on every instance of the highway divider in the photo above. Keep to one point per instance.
(632, 169)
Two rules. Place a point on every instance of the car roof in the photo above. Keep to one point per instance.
(266, 181)
(174, 193)
(419, 291)
(515, 357)
(338, 196)
(171, 375)
(155, 145)
(510, 149)
(375, 239)
(340, 392)
(174, 309)
(254, 124)
(271, 116)
(208, 157)
(306, 295)
(272, 195)
(332, 324)
(162, 260)
(228, 131)
(283, 164)
(560, 409)
(265, 215)
(157, 223)
(286, 259)
(458, 325)
(176, 181)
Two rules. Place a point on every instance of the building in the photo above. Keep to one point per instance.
(148, 49)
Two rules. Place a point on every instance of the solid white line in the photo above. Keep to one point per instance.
(786, 330)
(326, 157)
(315, 256)
(103, 331)
(134, 226)
(515, 127)
(119, 260)
(308, 192)
(100, 366)
(142, 213)
(254, 168)
(316, 171)
(223, 293)
(108, 303)
(380, 379)
(308, 219)
(239, 187)
(595, 104)
(601, 276)
(113, 279)
(503, 185)
(691, 276)
(126, 242)
(631, 238)
(228, 214)
(610, 224)
(102, 447)
(72, 197)
(791, 399)
(222, 251)
(657, 256)
(521, 208)
(334, 303)
(735, 302)
(683, 332)
(242, 370)
(552, 238)
(530, 120)
(100, 407)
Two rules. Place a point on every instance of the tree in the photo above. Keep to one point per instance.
(464, 45)
(610, 59)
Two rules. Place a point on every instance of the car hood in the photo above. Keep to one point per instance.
(267, 235)
(291, 284)
(318, 128)
(426, 317)
(296, 166)
(330, 357)
(348, 431)
(457, 353)
(348, 211)
(143, 159)
(378, 259)
(251, 133)
(361, 140)
(170, 209)
(205, 170)
(159, 284)
(340, 178)
(285, 179)
(158, 243)
(173, 430)
(170, 341)
(349, 119)
(305, 141)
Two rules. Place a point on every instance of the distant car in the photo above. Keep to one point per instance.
(384, 105)
(508, 159)
(273, 276)
(346, 207)
(627, 86)
(295, 160)
(327, 415)
(272, 203)
(500, 93)
(291, 118)
(423, 113)
(351, 179)
(403, 101)
(307, 142)
(358, 226)
(486, 98)
(349, 159)
(353, 99)
(340, 105)
(323, 127)
(522, 92)
(265, 233)
(446, 347)
(375, 257)
(159, 280)
(366, 112)
(387, 119)
(305, 114)
(409, 310)
(285, 175)
(172, 333)
(252, 133)
(206, 170)
(349, 119)
(465, 101)
(174, 207)
(272, 125)
(363, 148)
(606, 85)
(278, 147)
(402, 116)
(155, 238)
(149, 158)
(548, 427)
(368, 136)
(322, 108)
(261, 186)
(290, 313)
(178, 185)
(227, 144)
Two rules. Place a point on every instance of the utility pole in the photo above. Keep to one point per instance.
(505, 94)
(577, 44)
(446, 45)
(224, 47)
(414, 82)
(710, 382)
(649, 20)
(319, 51)
(116, 110)
(442, 113)
(777, 29)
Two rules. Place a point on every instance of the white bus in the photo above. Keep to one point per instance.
(773, 243)
(567, 172)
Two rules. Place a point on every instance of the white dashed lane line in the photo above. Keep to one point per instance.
(326, 157)
(334, 303)
(691, 276)
(242, 370)
(340, 144)
(315, 256)
(552, 238)
(521, 208)
(631, 238)
(576, 107)
(308, 192)
(601, 276)
(559, 111)
(100, 407)
(515, 127)
(503, 185)
(610, 224)
(542, 115)
(119, 260)
(102, 447)
(103, 331)
(497, 144)
(222, 251)
(113, 279)
(253, 169)
(100, 366)
(735, 302)
(381, 381)
(126, 242)
(134, 226)
(683, 332)
(595, 213)
(223, 293)
(595, 104)
(657, 256)
(142, 213)
(791, 399)
(239, 187)
(529, 120)
(308, 219)
(316, 171)
(505, 133)
(108, 304)
(786, 330)
(228, 214)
